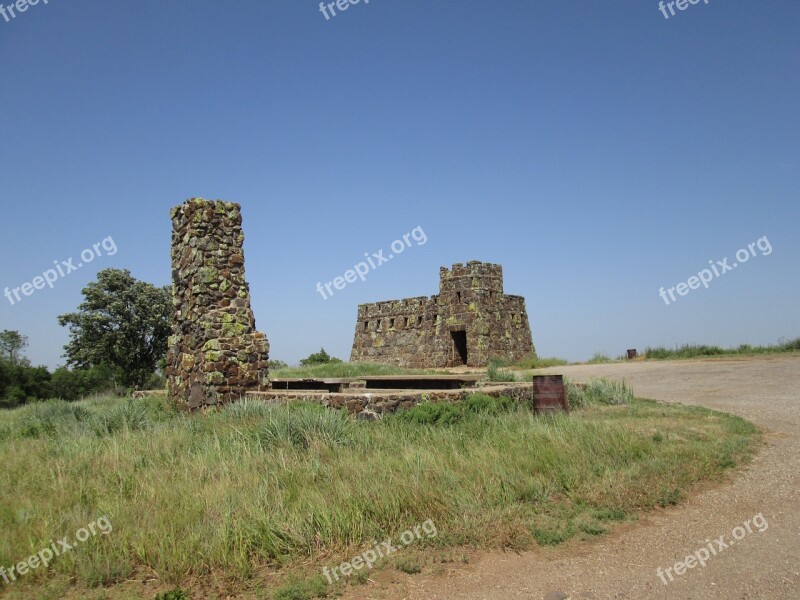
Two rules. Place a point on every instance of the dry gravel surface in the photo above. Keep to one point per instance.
(623, 564)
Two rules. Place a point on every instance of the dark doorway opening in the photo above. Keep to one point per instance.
(460, 344)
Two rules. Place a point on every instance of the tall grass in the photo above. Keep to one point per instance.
(600, 358)
(598, 391)
(694, 351)
(536, 362)
(258, 486)
(495, 372)
(102, 417)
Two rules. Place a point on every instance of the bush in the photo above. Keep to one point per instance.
(14, 396)
(5, 378)
(78, 383)
(21, 383)
(319, 358)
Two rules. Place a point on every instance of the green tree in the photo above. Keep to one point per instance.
(319, 358)
(122, 324)
(77, 383)
(35, 382)
(5, 378)
(12, 345)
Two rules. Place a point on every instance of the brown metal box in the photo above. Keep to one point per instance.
(549, 394)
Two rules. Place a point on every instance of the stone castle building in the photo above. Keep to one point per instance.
(468, 323)
(215, 354)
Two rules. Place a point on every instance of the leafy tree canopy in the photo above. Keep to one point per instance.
(12, 345)
(122, 324)
(319, 358)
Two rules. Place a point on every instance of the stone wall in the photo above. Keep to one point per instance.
(215, 354)
(375, 405)
(470, 318)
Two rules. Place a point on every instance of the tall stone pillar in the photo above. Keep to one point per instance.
(215, 354)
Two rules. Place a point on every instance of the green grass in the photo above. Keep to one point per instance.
(600, 358)
(176, 594)
(449, 413)
(535, 362)
(302, 589)
(598, 391)
(345, 369)
(694, 351)
(495, 372)
(254, 492)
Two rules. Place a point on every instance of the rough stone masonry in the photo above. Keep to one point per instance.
(215, 354)
(468, 323)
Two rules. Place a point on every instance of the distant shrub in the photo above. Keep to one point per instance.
(14, 396)
(791, 346)
(73, 384)
(319, 358)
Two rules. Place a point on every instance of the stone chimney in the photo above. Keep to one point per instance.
(215, 354)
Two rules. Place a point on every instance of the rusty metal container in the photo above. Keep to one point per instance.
(549, 394)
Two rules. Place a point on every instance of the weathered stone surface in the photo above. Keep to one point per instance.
(470, 319)
(372, 405)
(215, 353)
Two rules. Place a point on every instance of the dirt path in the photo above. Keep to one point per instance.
(765, 390)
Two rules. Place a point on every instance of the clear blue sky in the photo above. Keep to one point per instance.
(597, 150)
